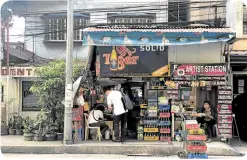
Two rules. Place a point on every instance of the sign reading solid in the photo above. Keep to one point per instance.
(133, 61)
(182, 70)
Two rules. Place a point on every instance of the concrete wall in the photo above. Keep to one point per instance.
(202, 53)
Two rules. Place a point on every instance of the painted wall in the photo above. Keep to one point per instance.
(202, 53)
(35, 25)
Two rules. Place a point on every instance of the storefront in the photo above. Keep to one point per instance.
(139, 62)
(16, 97)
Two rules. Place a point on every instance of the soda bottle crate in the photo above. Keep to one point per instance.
(164, 107)
(165, 123)
(165, 115)
(151, 138)
(151, 130)
(193, 148)
(192, 126)
(165, 130)
(163, 138)
(196, 131)
(197, 156)
(151, 122)
(196, 137)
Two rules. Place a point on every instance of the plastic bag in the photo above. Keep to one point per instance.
(80, 101)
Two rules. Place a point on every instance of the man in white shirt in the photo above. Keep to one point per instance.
(96, 119)
(115, 104)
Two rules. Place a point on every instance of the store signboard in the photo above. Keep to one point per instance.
(198, 70)
(224, 109)
(126, 61)
(18, 71)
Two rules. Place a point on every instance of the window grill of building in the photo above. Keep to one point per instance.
(55, 28)
(177, 10)
(29, 99)
(127, 20)
(245, 20)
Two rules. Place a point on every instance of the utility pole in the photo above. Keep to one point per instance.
(7, 46)
(69, 79)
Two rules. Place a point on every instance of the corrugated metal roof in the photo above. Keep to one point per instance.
(194, 29)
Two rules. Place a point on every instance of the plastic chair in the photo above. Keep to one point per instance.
(87, 128)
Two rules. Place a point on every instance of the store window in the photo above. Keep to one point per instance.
(29, 99)
(176, 11)
(126, 20)
(245, 21)
(56, 27)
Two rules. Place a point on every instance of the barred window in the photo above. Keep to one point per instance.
(127, 20)
(2, 93)
(29, 99)
(55, 28)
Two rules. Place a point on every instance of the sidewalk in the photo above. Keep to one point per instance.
(16, 144)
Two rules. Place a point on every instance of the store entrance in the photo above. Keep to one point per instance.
(136, 92)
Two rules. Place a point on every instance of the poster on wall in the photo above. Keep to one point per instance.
(29, 100)
(224, 108)
(125, 61)
(198, 71)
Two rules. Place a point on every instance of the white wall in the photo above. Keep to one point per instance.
(34, 23)
(202, 53)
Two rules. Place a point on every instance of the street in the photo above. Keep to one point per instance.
(97, 156)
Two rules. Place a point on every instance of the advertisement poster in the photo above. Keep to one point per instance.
(198, 70)
(121, 61)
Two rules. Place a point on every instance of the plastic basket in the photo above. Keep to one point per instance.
(165, 130)
(192, 148)
(196, 137)
(165, 115)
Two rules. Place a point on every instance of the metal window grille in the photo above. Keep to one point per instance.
(245, 20)
(29, 100)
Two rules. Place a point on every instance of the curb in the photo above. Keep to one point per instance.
(155, 150)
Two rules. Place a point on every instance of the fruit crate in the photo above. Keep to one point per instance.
(163, 138)
(192, 126)
(165, 115)
(165, 130)
(151, 130)
(151, 138)
(197, 156)
(193, 148)
(196, 137)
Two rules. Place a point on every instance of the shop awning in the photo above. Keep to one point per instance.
(154, 37)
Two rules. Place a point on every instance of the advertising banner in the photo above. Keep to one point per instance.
(121, 61)
(198, 70)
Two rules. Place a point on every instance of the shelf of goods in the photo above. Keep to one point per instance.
(156, 116)
(194, 143)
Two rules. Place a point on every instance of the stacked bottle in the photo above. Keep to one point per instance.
(195, 144)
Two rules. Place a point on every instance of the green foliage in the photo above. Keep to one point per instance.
(18, 121)
(41, 123)
(11, 123)
(28, 125)
(51, 88)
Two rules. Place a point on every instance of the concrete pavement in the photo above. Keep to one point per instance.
(16, 144)
(99, 156)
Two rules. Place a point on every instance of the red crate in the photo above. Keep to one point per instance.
(168, 139)
(196, 137)
(192, 126)
(165, 115)
(196, 148)
(165, 130)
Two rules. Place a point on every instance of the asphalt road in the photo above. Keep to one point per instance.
(94, 157)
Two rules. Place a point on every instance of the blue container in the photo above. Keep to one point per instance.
(152, 122)
(164, 108)
(197, 156)
(165, 123)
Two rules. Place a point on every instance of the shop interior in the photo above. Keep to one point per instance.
(154, 101)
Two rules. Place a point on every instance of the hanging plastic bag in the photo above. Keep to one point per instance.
(80, 101)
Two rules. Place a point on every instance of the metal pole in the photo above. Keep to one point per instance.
(7, 47)
(69, 84)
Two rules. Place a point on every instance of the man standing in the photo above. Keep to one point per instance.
(114, 102)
